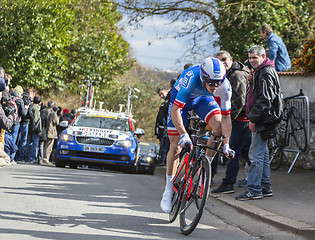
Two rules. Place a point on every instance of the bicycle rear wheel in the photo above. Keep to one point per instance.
(275, 150)
(298, 130)
(193, 201)
(179, 185)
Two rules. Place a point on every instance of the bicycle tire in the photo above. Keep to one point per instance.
(298, 130)
(179, 185)
(196, 197)
(275, 150)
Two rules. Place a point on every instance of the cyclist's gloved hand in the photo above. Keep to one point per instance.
(184, 138)
(229, 153)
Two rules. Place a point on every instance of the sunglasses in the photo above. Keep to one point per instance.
(213, 83)
(210, 82)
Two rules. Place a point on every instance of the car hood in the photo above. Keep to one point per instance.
(98, 132)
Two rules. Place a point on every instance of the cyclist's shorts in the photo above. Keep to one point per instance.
(205, 108)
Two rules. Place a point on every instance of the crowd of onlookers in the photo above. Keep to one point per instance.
(28, 126)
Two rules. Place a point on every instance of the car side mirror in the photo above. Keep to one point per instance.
(139, 132)
(64, 124)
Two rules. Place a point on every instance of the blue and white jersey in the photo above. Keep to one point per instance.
(189, 86)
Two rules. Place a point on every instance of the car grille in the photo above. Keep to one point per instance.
(115, 157)
(99, 141)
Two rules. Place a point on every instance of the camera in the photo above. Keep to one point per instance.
(7, 107)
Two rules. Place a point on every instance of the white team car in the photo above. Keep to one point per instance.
(99, 138)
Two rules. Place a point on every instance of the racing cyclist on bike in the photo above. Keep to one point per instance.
(204, 89)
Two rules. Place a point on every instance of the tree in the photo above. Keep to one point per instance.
(32, 40)
(56, 43)
(237, 23)
(99, 50)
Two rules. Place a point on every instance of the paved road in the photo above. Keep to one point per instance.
(43, 202)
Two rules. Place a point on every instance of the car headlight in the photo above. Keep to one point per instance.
(124, 143)
(66, 137)
(148, 159)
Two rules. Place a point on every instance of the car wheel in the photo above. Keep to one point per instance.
(60, 163)
(73, 165)
(131, 170)
(151, 170)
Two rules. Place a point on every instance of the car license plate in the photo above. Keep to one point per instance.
(93, 149)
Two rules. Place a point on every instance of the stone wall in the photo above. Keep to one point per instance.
(291, 83)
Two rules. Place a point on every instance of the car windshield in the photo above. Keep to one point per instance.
(104, 122)
(146, 148)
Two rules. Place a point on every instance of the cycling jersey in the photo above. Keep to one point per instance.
(189, 94)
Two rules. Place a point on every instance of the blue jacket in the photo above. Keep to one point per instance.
(278, 53)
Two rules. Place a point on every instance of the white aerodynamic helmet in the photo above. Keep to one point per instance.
(212, 72)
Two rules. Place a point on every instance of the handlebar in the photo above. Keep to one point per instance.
(294, 96)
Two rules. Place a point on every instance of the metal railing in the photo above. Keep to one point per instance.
(302, 104)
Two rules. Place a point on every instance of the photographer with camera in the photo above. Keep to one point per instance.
(6, 120)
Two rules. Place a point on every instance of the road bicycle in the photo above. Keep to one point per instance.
(192, 179)
(291, 128)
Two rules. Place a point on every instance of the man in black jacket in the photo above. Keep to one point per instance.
(161, 123)
(24, 124)
(237, 74)
(265, 112)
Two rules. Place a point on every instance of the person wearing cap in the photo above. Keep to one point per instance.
(21, 112)
(35, 130)
(65, 116)
(51, 130)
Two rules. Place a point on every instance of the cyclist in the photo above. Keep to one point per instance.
(204, 89)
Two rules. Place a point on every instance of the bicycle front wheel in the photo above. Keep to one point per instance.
(298, 130)
(194, 200)
(179, 185)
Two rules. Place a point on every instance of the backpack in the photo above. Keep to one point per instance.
(12, 103)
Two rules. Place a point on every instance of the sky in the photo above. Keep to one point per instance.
(150, 47)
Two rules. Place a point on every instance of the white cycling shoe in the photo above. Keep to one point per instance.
(166, 202)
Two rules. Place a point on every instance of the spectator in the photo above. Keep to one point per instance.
(6, 92)
(51, 130)
(9, 146)
(35, 130)
(277, 50)
(50, 105)
(59, 111)
(265, 113)
(43, 136)
(237, 74)
(73, 113)
(65, 116)
(161, 124)
(6, 122)
(21, 113)
(243, 182)
(28, 96)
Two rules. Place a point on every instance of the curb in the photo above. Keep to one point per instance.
(287, 224)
